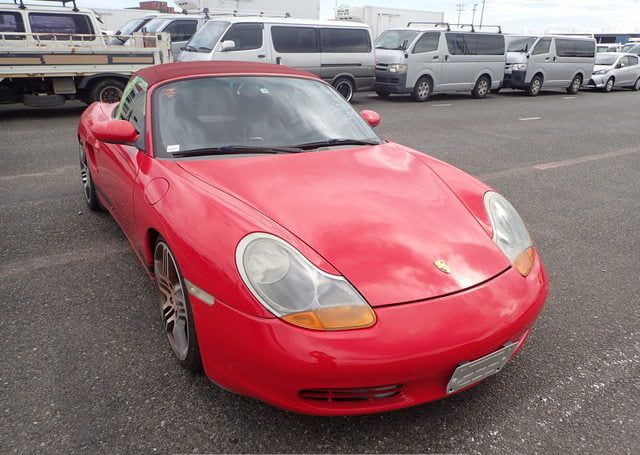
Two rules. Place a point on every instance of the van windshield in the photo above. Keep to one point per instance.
(398, 40)
(128, 29)
(522, 44)
(206, 38)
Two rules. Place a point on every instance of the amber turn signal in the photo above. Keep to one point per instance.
(524, 261)
(334, 318)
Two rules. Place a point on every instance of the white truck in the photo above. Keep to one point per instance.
(52, 54)
(301, 9)
(382, 19)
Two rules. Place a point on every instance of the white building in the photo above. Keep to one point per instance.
(303, 9)
(381, 19)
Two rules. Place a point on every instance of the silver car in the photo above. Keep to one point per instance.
(616, 69)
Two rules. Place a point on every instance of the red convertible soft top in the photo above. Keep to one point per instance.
(160, 73)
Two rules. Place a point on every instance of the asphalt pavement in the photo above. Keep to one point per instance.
(85, 367)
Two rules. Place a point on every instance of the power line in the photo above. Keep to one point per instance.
(460, 8)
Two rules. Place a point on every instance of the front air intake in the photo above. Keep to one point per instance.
(352, 394)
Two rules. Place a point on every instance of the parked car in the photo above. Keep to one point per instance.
(600, 48)
(631, 48)
(552, 62)
(121, 36)
(616, 69)
(339, 52)
(420, 60)
(278, 270)
(181, 27)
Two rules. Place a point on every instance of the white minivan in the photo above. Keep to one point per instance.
(535, 63)
(422, 60)
(340, 53)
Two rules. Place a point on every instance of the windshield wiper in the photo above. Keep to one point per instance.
(202, 49)
(334, 142)
(235, 150)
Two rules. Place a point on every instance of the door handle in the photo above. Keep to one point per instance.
(278, 60)
(446, 57)
(436, 57)
(546, 59)
(554, 58)
(261, 56)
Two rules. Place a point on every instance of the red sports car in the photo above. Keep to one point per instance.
(301, 259)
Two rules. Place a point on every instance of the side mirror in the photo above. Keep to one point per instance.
(115, 132)
(371, 117)
(227, 45)
(119, 32)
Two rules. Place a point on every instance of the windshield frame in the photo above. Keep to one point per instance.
(152, 124)
(192, 47)
(416, 33)
(532, 40)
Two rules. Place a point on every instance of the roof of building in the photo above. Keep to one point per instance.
(160, 73)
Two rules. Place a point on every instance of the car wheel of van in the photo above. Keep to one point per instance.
(382, 94)
(575, 85)
(422, 90)
(609, 85)
(88, 187)
(107, 91)
(482, 88)
(635, 87)
(175, 309)
(345, 87)
(535, 87)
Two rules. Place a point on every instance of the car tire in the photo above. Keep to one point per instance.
(482, 87)
(635, 87)
(89, 188)
(422, 90)
(106, 91)
(609, 85)
(344, 87)
(535, 86)
(175, 308)
(575, 85)
(382, 94)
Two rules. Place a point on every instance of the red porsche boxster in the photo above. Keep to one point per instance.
(301, 259)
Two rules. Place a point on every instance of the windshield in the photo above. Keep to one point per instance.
(522, 44)
(396, 39)
(128, 29)
(251, 111)
(606, 59)
(156, 25)
(206, 38)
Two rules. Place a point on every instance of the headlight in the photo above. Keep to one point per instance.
(397, 68)
(599, 72)
(294, 289)
(510, 233)
(519, 67)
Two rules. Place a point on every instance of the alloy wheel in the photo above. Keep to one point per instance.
(345, 89)
(110, 94)
(173, 302)
(85, 175)
(483, 87)
(423, 89)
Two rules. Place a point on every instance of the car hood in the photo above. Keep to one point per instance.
(516, 57)
(602, 67)
(389, 56)
(378, 214)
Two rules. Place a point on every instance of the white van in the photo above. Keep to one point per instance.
(422, 60)
(549, 62)
(340, 53)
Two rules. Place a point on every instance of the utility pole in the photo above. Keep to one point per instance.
(473, 18)
(459, 9)
(482, 14)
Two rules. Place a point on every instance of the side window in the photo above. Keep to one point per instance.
(133, 102)
(246, 36)
(64, 24)
(543, 47)
(484, 44)
(295, 39)
(11, 23)
(455, 43)
(427, 43)
(181, 30)
(345, 40)
(624, 62)
(575, 48)
(633, 61)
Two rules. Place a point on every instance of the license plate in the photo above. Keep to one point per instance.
(469, 373)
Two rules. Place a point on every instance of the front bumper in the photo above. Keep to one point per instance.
(391, 82)
(515, 79)
(598, 81)
(413, 348)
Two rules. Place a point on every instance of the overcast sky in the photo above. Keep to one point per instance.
(516, 16)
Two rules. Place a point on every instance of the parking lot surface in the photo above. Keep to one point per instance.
(85, 367)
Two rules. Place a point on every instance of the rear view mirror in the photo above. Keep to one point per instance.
(371, 117)
(115, 132)
(227, 45)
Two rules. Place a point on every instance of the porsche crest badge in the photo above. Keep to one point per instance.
(442, 265)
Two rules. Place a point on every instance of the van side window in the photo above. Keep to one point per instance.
(11, 23)
(455, 43)
(181, 30)
(295, 39)
(246, 36)
(575, 48)
(543, 47)
(65, 24)
(427, 43)
(345, 40)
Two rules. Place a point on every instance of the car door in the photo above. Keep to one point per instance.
(118, 164)
(624, 72)
(425, 58)
(540, 60)
(181, 31)
(249, 43)
(296, 46)
(634, 69)
(458, 67)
